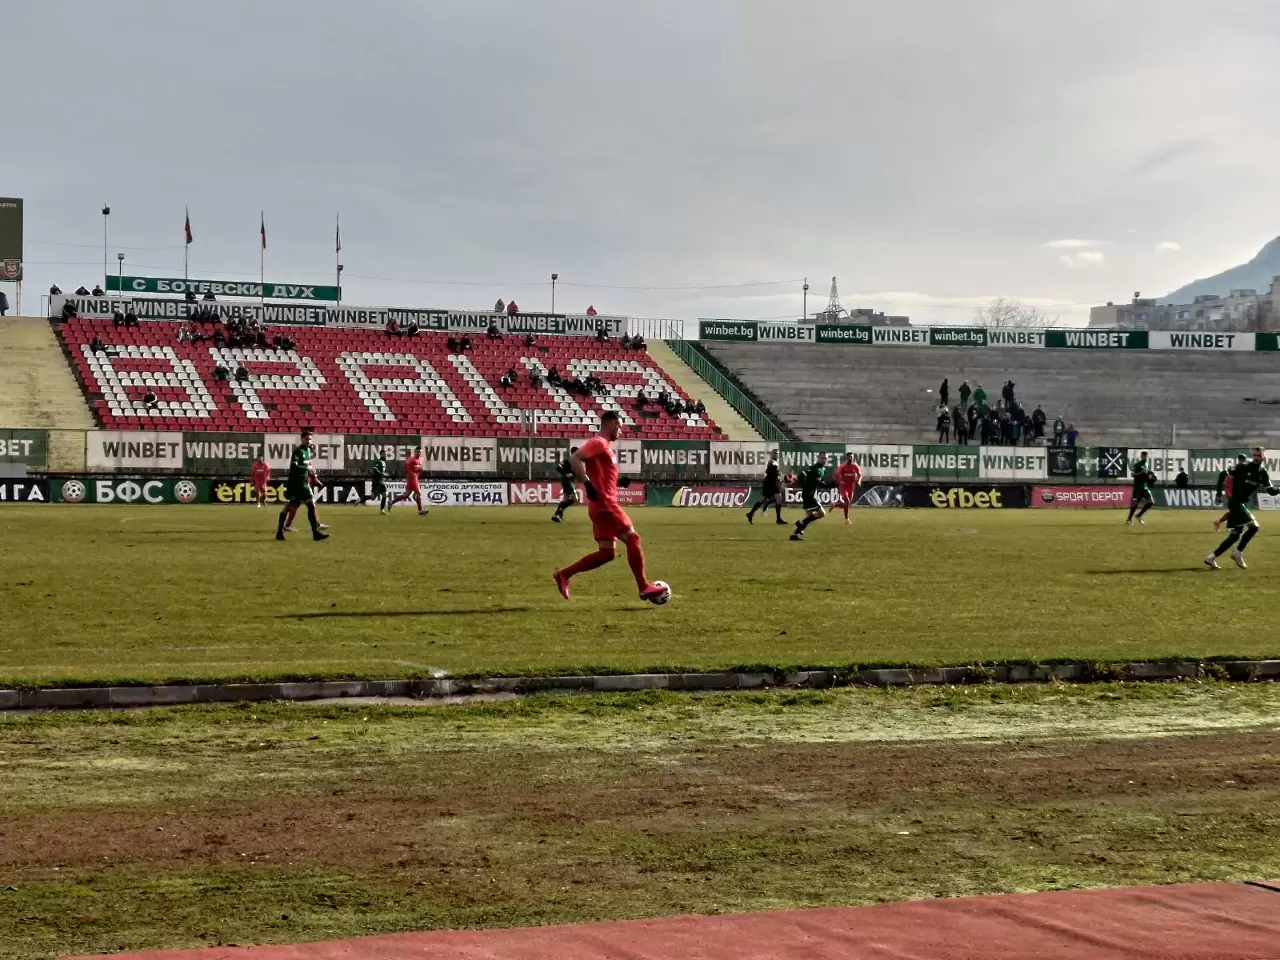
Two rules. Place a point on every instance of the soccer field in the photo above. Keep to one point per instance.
(189, 592)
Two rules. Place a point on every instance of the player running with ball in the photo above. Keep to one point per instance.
(810, 479)
(595, 465)
(1246, 480)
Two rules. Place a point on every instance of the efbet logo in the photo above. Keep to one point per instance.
(959, 498)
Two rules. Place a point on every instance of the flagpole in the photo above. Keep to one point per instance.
(262, 260)
(337, 255)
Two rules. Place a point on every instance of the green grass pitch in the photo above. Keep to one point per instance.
(92, 593)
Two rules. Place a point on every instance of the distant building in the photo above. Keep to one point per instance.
(1239, 311)
(862, 315)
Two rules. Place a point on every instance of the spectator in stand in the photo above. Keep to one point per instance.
(961, 424)
(980, 399)
(55, 291)
(507, 380)
(699, 407)
(1072, 435)
(98, 291)
(184, 335)
(499, 306)
(97, 346)
(972, 417)
(1039, 419)
(965, 393)
(664, 397)
(601, 334)
(535, 379)
(512, 309)
(530, 341)
(260, 341)
(131, 318)
(453, 344)
(944, 423)
(493, 333)
(1028, 430)
(1182, 481)
(241, 373)
(1006, 392)
(220, 372)
(413, 329)
(637, 342)
(209, 296)
(219, 337)
(4, 303)
(150, 399)
(465, 344)
(553, 376)
(82, 291)
(393, 328)
(1059, 431)
(944, 394)
(1015, 427)
(591, 311)
(117, 318)
(641, 399)
(626, 342)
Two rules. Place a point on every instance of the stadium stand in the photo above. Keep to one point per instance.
(719, 409)
(362, 381)
(37, 390)
(1121, 397)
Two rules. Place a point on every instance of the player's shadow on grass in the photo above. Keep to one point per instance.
(1130, 573)
(340, 614)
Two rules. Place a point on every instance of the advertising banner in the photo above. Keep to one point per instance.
(1113, 462)
(842, 333)
(547, 493)
(957, 336)
(113, 451)
(1207, 464)
(518, 456)
(951, 462)
(359, 452)
(1096, 339)
(900, 336)
(1166, 464)
(785, 332)
(1014, 337)
(329, 453)
(23, 490)
(10, 239)
(221, 453)
(1200, 341)
(1061, 461)
(1013, 463)
(883, 461)
(799, 456)
(460, 454)
(1186, 498)
(331, 492)
(220, 288)
(675, 458)
(129, 490)
(879, 495)
(744, 459)
(969, 496)
(706, 496)
(1099, 496)
(29, 447)
(738, 330)
(465, 493)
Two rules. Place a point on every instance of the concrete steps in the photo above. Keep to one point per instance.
(37, 389)
(724, 416)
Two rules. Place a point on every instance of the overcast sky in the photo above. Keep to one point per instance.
(930, 153)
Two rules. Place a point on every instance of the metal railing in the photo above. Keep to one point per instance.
(747, 408)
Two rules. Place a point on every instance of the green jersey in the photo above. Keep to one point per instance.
(810, 479)
(1141, 482)
(1246, 480)
(297, 486)
(565, 469)
(378, 471)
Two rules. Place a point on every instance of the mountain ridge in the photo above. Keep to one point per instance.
(1257, 274)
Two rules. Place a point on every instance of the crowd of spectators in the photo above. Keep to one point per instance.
(1008, 423)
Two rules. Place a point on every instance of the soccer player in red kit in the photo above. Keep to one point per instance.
(848, 476)
(412, 481)
(260, 473)
(596, 466)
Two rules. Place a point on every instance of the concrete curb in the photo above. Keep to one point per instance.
(175, 695)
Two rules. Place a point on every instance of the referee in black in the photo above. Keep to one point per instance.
(771, 491)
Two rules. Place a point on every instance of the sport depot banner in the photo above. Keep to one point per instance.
(1098, 496)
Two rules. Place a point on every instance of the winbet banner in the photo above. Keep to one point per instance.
(539, 457)
(675, 458)
(28, 447)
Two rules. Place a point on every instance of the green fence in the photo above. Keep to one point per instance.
(747, 408)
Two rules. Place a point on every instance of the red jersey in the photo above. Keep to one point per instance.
(412, 467)
(848, 475)
(261, 473)
(602, 470)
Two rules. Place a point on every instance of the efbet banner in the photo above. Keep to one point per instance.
(970, 496)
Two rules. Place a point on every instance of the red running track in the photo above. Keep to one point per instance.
(1221, 921)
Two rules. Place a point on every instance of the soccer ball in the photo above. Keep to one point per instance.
(664, 596)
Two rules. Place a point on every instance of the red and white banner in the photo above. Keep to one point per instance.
(547, 493)
(1099, 496)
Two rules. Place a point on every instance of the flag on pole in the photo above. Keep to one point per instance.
(188, 226)
(264, 230)
(337, 235)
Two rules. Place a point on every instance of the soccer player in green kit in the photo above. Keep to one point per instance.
(1143, 497)
(378, 484)
(810, 479)
(568, 493)
(297, 489)
(1246, 480)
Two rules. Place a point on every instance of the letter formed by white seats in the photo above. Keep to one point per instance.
(653, 384)
(427, 381)
(180, 374)
(248, 393)
(564, 406)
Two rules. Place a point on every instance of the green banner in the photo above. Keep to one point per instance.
(949, 462)
(957, 336)
(686, 459)
(516, 456)
(29, 447)
(726, 330)
(1096, 339)
(222, 288)
(842, 333)
(129, 490)
(222, 454)
(10, 239)
(1207, 464)
(1269, 342)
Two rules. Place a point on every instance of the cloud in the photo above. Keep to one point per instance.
(1076, 244)
(1083, 260)
(1069, 263)
(1169, 246)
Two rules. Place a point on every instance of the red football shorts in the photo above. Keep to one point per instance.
(609, 523)
(411, 486)
(260, 486)
(847, 493)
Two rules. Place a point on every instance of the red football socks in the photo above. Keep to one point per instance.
(589, 562)
(635, 558)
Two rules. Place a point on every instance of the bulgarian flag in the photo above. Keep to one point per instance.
(264, 231)
(188, 226)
